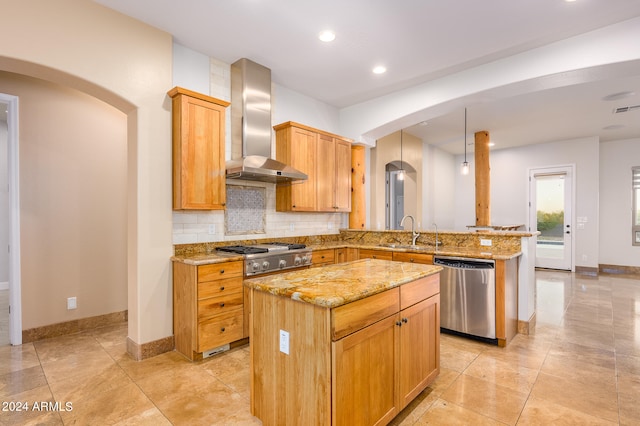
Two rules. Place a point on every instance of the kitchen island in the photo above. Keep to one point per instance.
(345, 344)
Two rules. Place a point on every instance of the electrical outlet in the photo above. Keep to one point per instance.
(284, 342)
(72, 303)
(292, 227)
(584, 257)
(487, 243)
(212, 229)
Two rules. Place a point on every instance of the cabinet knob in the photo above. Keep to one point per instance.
(399, 324)
(411, 260)
(222, 330)
(222, 288)
(374, 256)
(405, 320)
(222, 305)
(222, 271)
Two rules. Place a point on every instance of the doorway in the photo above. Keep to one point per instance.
(394, 199)
(10, 319)
(551, 207)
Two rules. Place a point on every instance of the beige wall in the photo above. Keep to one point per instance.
(73, 181)
(387, 150)
(83, 45)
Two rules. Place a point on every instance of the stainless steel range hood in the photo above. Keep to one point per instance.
(251, 127)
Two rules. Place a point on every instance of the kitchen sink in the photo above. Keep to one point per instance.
(405, 246)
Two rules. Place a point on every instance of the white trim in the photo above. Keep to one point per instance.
(4, 285)
(569, 169)
(15, 292)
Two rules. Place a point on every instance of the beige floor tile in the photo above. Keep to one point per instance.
(443, 381)
(16, 358)
(494, 401)
(628, 364)
(540, 412)
(20, 381)
(77, 366)
(582, 372)
(512, 376)
(594, 399)
(72, 346)
(601, 357)
(416, 408)
(629, 399)
(138, 370)
(31, 414)
(446, 413)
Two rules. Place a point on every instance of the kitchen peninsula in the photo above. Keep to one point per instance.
(344, 344)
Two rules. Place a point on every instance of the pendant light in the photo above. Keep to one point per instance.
(465, 164)
(401, 173)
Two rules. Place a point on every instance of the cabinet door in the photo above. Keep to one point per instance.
(198, 148)
(327, 173)
(375, 254)
(419, 348)
(342, 196)
(364, 375)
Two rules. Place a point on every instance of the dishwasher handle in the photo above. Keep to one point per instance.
(464, 263)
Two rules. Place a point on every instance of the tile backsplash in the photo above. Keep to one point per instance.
(201, 227)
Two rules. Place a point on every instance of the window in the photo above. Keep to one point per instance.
(635, 185)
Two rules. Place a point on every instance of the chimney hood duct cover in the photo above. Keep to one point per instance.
(251, 127)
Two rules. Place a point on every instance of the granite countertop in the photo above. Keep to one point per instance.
(335, 285)
(469, 252)
(205, 259)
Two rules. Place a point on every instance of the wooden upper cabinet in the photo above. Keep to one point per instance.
(297, 147)
(198, 151)
(325, 158)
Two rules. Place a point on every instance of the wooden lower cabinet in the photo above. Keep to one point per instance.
(358, 364)
(208, 306)
(375, 254)
(400, 256)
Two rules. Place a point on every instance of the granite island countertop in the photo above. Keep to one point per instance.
(335, 285)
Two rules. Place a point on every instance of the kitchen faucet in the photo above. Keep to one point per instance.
(414, 234)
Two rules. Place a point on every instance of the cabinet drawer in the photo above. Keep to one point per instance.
(418, 290)
(354, 316)
(220, 330)
(413, 257)
(376, 254)
(218, 305)
(323, 256)
(216, 271)
(219, 287)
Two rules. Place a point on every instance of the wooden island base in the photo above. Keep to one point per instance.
(358, 363)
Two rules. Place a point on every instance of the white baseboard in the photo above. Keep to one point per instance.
(4, 285)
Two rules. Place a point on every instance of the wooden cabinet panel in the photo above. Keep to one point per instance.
(413, 257)
(419, 348)
(323, 257)
(219, 287)
(220, 329)
(213, 306)
(297, 148)
(198, 151)
(418, 290)
(353, 316)
(343, 176)
(346, 254)
(364, 375)
(375, 254)
(216, 271)
(326, 162)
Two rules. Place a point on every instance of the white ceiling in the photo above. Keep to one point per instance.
(417, 41)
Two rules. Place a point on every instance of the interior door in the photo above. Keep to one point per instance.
(550, 204)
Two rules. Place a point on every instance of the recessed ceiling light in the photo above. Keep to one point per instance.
(618, 96)
(379, 70)
(327, 36)
(569, 1)
(492, 144)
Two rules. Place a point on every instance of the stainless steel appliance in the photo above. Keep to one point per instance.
(269, 257)
(468, 296)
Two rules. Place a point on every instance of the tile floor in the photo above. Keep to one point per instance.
(582, 366)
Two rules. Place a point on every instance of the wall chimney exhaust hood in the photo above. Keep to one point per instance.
(251, 127)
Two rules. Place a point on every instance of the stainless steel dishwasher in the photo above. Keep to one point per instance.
(468, 296)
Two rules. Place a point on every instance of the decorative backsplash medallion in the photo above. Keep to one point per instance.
(245, 210)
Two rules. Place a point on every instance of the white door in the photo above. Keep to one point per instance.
(550, 204)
